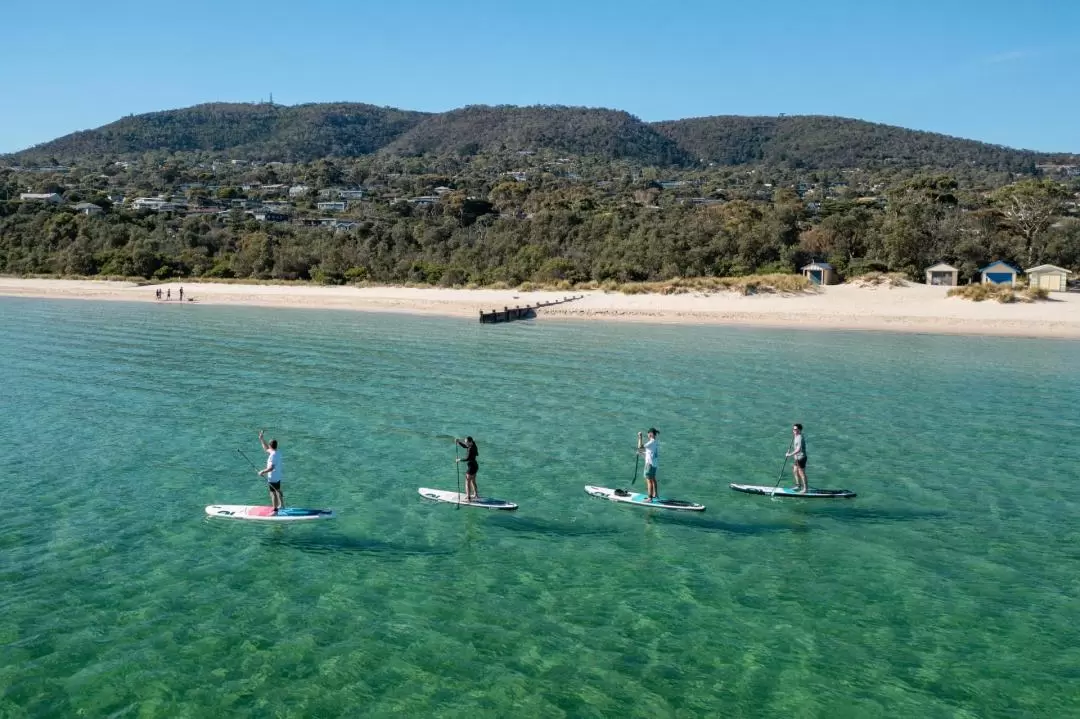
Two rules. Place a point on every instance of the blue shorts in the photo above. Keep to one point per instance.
(650, 471)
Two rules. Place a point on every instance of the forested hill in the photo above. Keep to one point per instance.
(820, 142)
(254, 131)
(308, 132)
(608, 134)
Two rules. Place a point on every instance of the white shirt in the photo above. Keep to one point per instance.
(652, 452)
(273, 463)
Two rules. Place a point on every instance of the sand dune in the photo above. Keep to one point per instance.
(916, 308)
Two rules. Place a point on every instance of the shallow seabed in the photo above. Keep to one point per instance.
(948, 588)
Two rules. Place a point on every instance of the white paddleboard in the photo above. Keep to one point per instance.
(267, 514)
(792, 493)
(458, 498)
(640, 499)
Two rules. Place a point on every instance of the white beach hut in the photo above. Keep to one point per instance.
(942, 274)
(1049, 277)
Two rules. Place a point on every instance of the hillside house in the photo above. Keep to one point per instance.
(999, 273)
(88, 208)
(332, 206)
(50, 198)
(299, 190)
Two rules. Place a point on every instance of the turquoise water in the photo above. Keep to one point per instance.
(947, 589)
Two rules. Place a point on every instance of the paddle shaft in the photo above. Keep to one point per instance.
(780, 477)
(240, 452)
(457, 467)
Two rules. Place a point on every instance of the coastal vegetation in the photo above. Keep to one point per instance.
(1004, 294)
(557, 197)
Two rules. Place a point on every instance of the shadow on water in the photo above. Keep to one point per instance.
(717, 525)
(549, 528)
(872, 514)
(335, 544)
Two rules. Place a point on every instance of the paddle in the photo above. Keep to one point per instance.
(457, 467)
(247, 458)
(780, 477)
(637, 457)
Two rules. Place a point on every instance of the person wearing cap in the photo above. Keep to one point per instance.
(651, 450)
(798, 458)
(471, 467)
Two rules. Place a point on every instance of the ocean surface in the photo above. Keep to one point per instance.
(948, 588)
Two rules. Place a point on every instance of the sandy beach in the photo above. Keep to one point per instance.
(915, 308)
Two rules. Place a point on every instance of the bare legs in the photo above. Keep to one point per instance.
(276, 497)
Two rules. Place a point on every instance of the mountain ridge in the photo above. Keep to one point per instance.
(341, 129)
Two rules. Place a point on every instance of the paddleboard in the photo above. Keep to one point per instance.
(622, 495)
(791, 492)
(459, 498)
(266, 514)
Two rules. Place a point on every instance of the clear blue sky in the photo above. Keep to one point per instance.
(992, 70)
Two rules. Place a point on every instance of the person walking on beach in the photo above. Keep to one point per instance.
(651, 450)
(181, 294)
(798, 458)
(272, 472)
(168, 294)
(471, 467)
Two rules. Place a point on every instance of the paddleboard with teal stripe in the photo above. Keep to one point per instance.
(642, 500)
(267, 514)
(793, 493)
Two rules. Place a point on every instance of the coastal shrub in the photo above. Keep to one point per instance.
(452, 277)
(999, 293)
(880, 279)
(356, 274)
(327, 277)
(745, 285)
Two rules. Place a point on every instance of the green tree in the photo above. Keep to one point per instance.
(1029, 208)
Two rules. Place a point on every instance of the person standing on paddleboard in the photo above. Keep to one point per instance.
(272, 472)
(798, 458)
(651, 450)
(471, 467)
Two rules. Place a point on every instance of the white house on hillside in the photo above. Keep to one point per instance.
(49, 197)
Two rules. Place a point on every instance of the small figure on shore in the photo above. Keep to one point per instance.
(181, 294)
(471, 467)
(651, 450)
(798, 458)
(157, 293)
(272, 472)
(168, 294)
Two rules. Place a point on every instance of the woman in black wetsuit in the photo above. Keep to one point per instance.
(471, 467)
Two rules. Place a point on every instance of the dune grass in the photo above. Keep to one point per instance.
(880, 279)
(1000, 293)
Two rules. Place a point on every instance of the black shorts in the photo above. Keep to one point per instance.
(800, 462)
(472, 468)
(274, 485)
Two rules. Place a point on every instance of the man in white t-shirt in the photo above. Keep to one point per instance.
(272, 472)
(651, 450)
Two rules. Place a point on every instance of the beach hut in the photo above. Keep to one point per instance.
(1049, 277)
(820, 273)
(943, 275)
(999, 273)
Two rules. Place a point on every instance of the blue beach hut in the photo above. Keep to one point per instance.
(999, 273)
